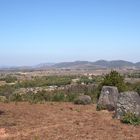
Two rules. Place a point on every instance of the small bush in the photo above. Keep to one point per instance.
(58, 97)
(6, 90)
(134, 87)
(71, 97)
(130, 118)
(10, 79)
(100, 107)
(16, 97)
(94, 94)
(34, 98)
(114, 79)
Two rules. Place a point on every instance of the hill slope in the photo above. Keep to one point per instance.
(97, 64)
(100, 64)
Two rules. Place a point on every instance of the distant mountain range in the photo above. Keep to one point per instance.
(97, 64)
(100, 64)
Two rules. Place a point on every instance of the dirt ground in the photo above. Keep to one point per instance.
(61, 121)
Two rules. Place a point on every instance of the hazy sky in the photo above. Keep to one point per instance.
(36, 31)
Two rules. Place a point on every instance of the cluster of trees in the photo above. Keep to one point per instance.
(9, 79)
(134, 75)
(67, 94)
(6, 90)
(91, 88)
(114, 79)
(46, 81)
(90, 80)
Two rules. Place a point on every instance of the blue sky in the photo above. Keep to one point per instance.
(36, 31)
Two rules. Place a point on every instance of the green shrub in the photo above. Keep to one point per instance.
(114, 79)
(58, 97)
(134, 87)
(16, 97)
(86, 80)
(46, 81)
(6, 90)
(9, 79)
(71, 97)
(34, 98)
(93, 93)
(100, 107)
(133, 75)
(130, 118)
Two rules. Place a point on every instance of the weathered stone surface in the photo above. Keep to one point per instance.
(108, 98)
(128, 102)
(83, 99)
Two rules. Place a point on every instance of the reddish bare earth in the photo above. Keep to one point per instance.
(61, 121)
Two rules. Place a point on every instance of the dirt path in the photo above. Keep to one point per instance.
(61, 121)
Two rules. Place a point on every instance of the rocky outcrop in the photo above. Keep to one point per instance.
(83, 100)
(108, 98)
(128, 102)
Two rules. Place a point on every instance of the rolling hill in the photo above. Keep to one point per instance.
(97, 64)
(100, 64)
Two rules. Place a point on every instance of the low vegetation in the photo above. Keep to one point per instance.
(130, 118)
(40, 97)
(46, 81)
(114, 79)
(62, 87)
(134, 75)
(8, 79)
